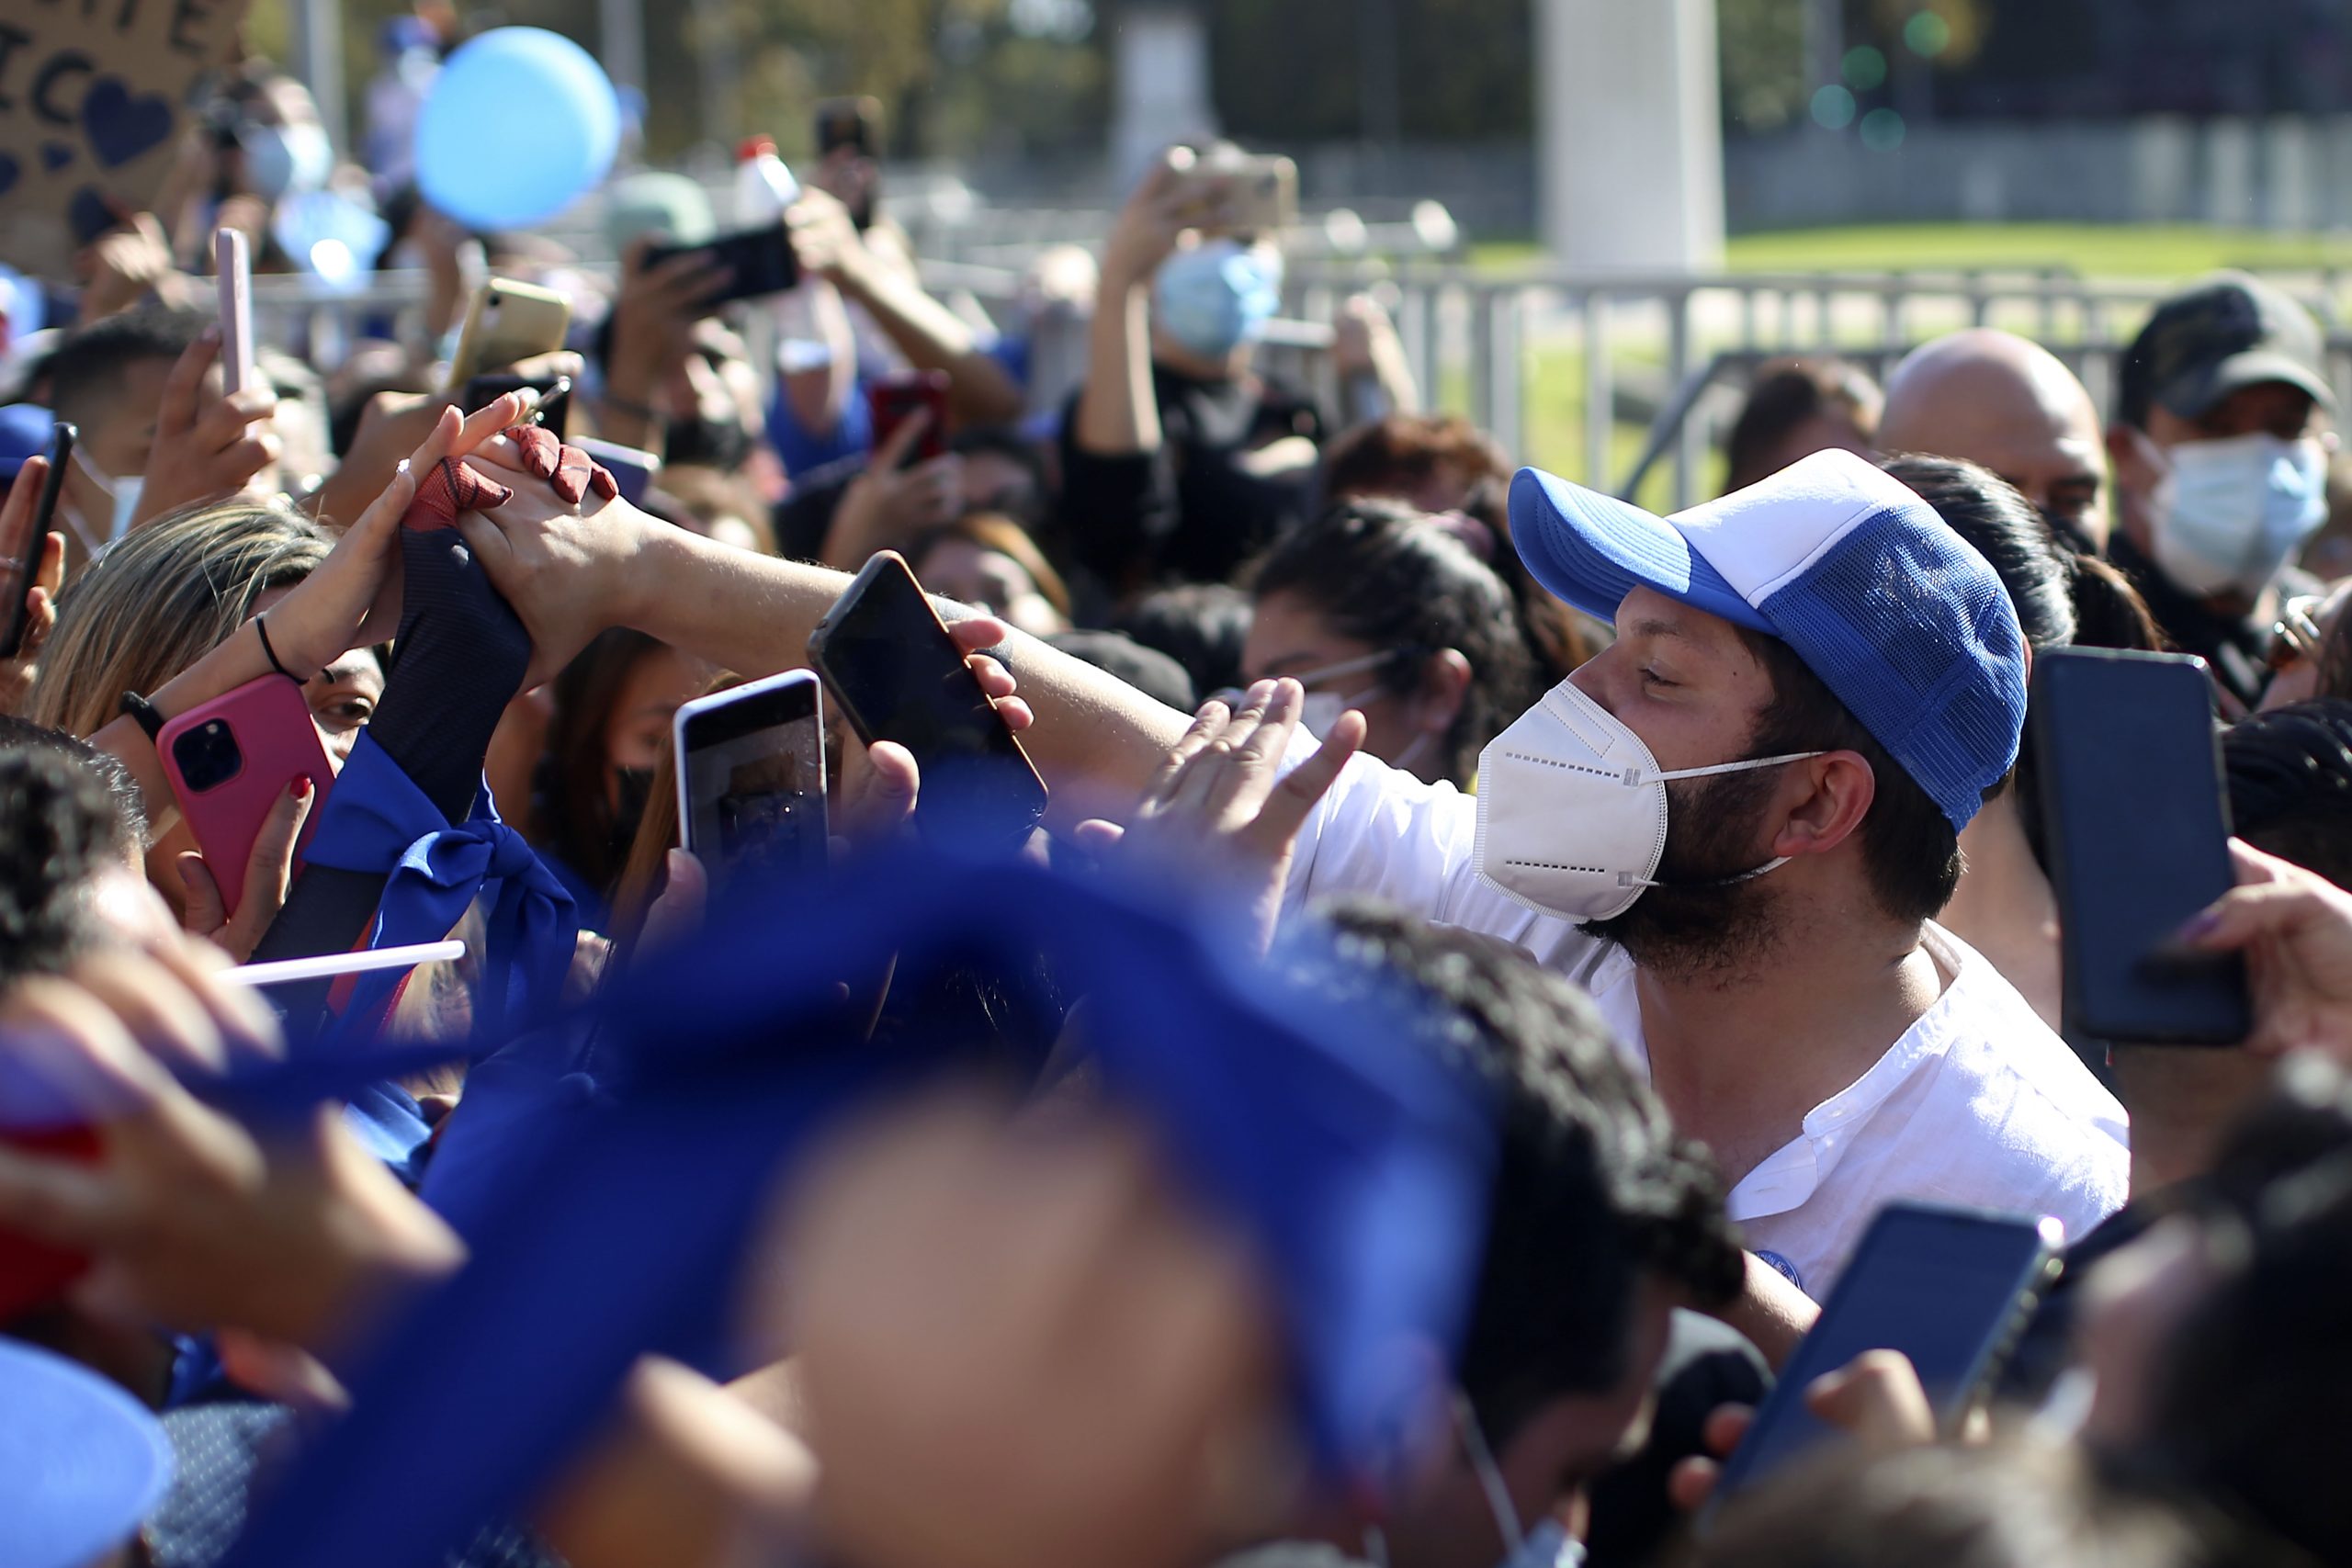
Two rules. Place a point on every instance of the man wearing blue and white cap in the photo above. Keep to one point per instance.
(1734, 825)
(1753, 799)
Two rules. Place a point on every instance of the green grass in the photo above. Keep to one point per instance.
(2093, 250)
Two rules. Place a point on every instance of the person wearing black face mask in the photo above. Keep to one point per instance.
(610, 728)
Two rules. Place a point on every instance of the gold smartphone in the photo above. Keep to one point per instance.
(1251, 194)
(506, 323)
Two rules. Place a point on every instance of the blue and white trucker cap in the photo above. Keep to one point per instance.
(1899, 616)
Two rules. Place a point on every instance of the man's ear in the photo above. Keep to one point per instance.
(1841, 789)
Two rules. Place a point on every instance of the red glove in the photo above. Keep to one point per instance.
(571, 471)
(449, 489)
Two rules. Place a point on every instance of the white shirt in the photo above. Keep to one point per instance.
(1977, 1104)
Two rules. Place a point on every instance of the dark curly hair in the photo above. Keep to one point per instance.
(1380, 574)
(64, 828)
(1593, 1190)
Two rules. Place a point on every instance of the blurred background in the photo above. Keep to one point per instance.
(1590, 217)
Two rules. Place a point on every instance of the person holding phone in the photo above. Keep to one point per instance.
(1767, 941)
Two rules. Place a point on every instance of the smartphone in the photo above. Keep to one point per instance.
(888, 662)
(854, 123)
(1948, 1288)
(2136, 816)
(20, 559)
(1258, 193)
(751, 780)
(229, 760)
(759, 262)
(633, 469)
(892, 400)
(555, 396)
(506, 323)
(233, 274)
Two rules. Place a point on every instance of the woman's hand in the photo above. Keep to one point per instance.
(208, 446)
(269, 873)
(2295, 928)
(354, 598)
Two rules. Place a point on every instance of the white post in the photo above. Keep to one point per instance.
(620, 36)
(318, 60)
(1162, 92)
(1630, 133)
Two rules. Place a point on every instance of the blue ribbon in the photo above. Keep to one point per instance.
(376, 820)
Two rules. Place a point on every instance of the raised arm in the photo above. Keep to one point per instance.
(572, 574)
(926, 331)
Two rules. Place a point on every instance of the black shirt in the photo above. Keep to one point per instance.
(2237, 647)
(1188, 512)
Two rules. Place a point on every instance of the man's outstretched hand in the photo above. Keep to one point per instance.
(1221, 805)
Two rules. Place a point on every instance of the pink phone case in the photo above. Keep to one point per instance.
(235, 274)
(243, 749)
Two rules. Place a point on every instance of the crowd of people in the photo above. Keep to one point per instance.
(1488, 957)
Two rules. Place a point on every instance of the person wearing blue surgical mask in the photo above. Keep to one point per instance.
(2221, 449)
(1182, 459)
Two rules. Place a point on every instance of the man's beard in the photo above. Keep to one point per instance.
(1699, 922)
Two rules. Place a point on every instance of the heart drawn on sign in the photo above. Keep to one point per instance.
(121, 124)
(55, 155)
(8, 172)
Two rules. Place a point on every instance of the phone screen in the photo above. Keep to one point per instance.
(20, 556)
(900, 677)
(2137, 819)
(1943, 1286)
(893, 399)
(752, 772)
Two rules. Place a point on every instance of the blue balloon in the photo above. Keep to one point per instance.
(520, 123)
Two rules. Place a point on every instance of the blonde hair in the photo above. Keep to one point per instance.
(161, 599)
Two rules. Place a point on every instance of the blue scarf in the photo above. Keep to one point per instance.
(376, 820)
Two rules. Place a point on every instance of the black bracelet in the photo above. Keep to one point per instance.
(140, 709)
(271, 654)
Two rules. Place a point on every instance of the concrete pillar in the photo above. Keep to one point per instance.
(1629, 134)
(318, 60)
(1162, 86)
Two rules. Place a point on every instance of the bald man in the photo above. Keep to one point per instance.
(1994, 398)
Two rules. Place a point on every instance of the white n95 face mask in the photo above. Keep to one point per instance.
(1572, 810)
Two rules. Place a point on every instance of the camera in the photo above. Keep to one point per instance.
(207, 756)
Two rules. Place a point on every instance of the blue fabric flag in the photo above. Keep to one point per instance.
(1316, 1118)
(375, 820)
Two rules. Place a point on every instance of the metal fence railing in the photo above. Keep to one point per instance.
(1660, 353)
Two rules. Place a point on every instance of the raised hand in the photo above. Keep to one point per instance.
(269, 872)
(2295, 928)
(209, 445)
(1221, 805)
(354, 598)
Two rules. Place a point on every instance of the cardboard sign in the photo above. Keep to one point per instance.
(93, 95)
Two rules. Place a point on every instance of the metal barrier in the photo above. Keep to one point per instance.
(1646, 349)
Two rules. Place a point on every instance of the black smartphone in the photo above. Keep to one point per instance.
(555, 396)
(1948, 1288)
(751, 780)
(20, 559)
(2137, 820)
(889, 662)
(759, 261)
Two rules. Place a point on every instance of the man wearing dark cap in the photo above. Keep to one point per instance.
(2220, 449)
